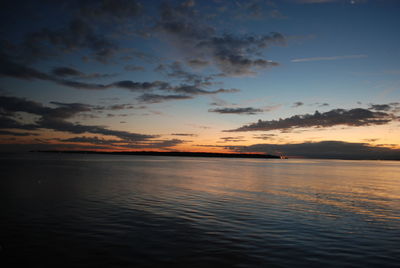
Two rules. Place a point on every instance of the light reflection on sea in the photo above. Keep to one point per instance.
(99, 210)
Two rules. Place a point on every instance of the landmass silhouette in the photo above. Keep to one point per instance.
(178, 154)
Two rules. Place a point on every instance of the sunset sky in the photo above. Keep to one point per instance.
(307, 78)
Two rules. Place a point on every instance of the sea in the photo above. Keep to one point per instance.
(86, 210)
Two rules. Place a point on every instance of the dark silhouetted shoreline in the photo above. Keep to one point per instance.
(178, 154)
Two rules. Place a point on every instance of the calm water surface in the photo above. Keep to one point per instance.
(134, 211)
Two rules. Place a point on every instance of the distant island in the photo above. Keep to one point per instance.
(178, 154)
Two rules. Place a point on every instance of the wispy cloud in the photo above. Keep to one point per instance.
(360, 56)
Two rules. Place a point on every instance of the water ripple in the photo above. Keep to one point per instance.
(124, 211)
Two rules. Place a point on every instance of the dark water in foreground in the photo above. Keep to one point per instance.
(133, 211)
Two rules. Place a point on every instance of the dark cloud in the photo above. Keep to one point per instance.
(313, 1)
(123, 106)
(371, 140)
(188, 3)
(319, 104)
(264, 136)
(183, 134)
(146, 86)
(55, 118)
(325, 149)
(71, 72)
(10, 123)
(380, 107)
(110, 9)
(233, 55)
(393, 107)
(125, 84)
(232, 139)
(250, 10)
(78, 35)
(156, 98)
(353, 117)
(112, 99)
(66, 110)
(88, 143)
(138, 86)
(194, 90)
(220, 102)
(81, 85)
(66, 71)
(84, 33)
(256, 9)
(14, 104)
(162, 143)
(37, 146)
(10, 68)
(65, 126)
(297, 104)
(153, 144)
(92, 140)
(134, 68)
(246, 110)
(176, 70)
(20, 71)
(193, 84)
(16, 70)
(197, 63)
(20, 134)
(82, 26)
(175, 20)
(328, 1)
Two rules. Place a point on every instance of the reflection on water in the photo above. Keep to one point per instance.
(96, 210)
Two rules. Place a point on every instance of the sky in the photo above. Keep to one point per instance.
(301, 78)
